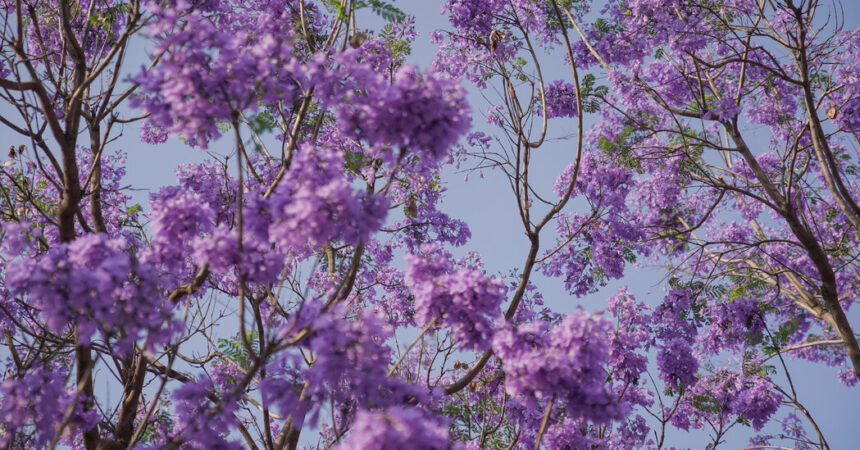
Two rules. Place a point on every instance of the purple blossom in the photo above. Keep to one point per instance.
(197, 417)
(316, 204)
(93, 283)
(560, 99)
(632, 335)
(396, 427)
(351, 365)
(724, 396)
(733, 323)
(217, 59)
(463, 298)
(152, 134)
(565, 360)
(420, 112)
(39, 399)
(848, 377)
(258, 262)
(177, 217)
(677, 364)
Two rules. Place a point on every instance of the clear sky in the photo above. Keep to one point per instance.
(487, 205)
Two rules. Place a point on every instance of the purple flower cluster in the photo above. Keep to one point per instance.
(228, 57)
(198, 417)
(258, 263)
(216, 58)
(733, 324)
(560, 99)
(94, 284)
(177, 217)
(594, 247)
(569, 433)
(462, 298)
(472, 16)
(423, 113)
(384, 53)
(677, 364)
(724, 396)
(316, 204)
(565, 360)
(39, 399)
(675, 332)
(151, 134)
(351, 365)
(394, 428)
(632, 335)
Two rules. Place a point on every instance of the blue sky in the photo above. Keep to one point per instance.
(487, 205)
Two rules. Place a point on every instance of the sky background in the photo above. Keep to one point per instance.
(488, 206)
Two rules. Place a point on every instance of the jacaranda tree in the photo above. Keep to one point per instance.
(304, 286)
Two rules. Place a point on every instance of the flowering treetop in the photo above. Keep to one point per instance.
(306, 287)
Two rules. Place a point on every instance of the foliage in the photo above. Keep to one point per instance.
(303, 284)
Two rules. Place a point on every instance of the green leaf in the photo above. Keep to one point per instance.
(263, 122)
(385, 10)
(355, 161)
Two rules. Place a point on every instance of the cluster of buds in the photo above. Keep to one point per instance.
(13, 152)
(496, 36)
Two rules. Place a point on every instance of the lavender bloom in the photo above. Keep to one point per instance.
(560, 99)
(677, 364)
(565, 361)
(200, 423)
(422, 113)
(39, 399)
(316, 204)
(724, 396)
(93, 283)
(395, 428)
(465, 299)
(177, 218)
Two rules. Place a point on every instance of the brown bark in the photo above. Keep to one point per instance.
(816, 253)
(829, 169)
(130, 402)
